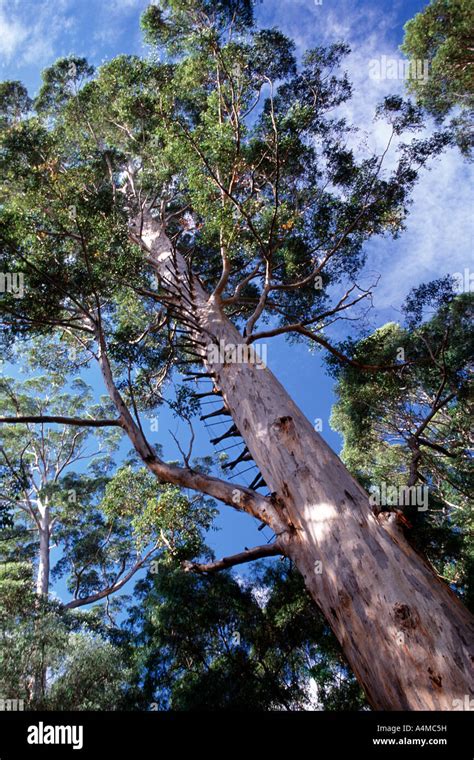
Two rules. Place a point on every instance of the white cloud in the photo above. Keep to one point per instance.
(127, 3)
(31, 31)
(115, 17)
(39, 49)
(118, 7)
(12, 35)
(436, 241)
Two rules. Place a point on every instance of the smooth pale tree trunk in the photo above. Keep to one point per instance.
(38, 680)
(406, 636)
(42, 576)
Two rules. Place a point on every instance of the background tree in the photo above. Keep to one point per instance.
(104, 525)
(53, 658)
(442, 35)
(93, 529)
(224, 643)
(38, 460)
(163, 209)
(413, 428)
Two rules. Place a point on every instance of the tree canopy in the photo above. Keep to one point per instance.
(412, 428)
(441, 34)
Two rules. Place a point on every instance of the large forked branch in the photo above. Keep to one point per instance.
(296, 326)
(46, 418)
(415, 441)
(114, 587)
(249, 555)
(237, 496)
(301, 330)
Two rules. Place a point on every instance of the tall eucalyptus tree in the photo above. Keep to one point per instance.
(172, 212)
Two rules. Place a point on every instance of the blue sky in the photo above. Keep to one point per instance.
(33, 33)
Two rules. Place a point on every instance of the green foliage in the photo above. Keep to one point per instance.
(15, 585)
(31, 634)
(442, 35)
(412, 426)
(61, 82)
(228, 109)
(224, 643)
(51, 659)
(14, 103)
(156, 513)
(175, 23)
(92, 676)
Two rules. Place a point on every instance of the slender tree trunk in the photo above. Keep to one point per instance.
(408, 639)
(38, 680)
(42, 576)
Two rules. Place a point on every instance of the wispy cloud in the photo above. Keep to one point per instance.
(31, 32)
(118, 24)
(12, 35)
(126, 4)
(439, 233)
(436, 241)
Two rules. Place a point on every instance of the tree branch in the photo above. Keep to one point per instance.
(113, 588)
(237, 496)
(301, 330)
(435, 447)
(62, 421)
(249, 555)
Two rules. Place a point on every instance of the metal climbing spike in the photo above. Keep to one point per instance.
(195, 375)
(222, 411)
(191, 339)
(232, 432)
(215, 393)
(192, 353)
(257, 482)
(244, 456)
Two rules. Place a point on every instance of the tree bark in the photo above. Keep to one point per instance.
(407, 637)
(38, 678)
(44, 528)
